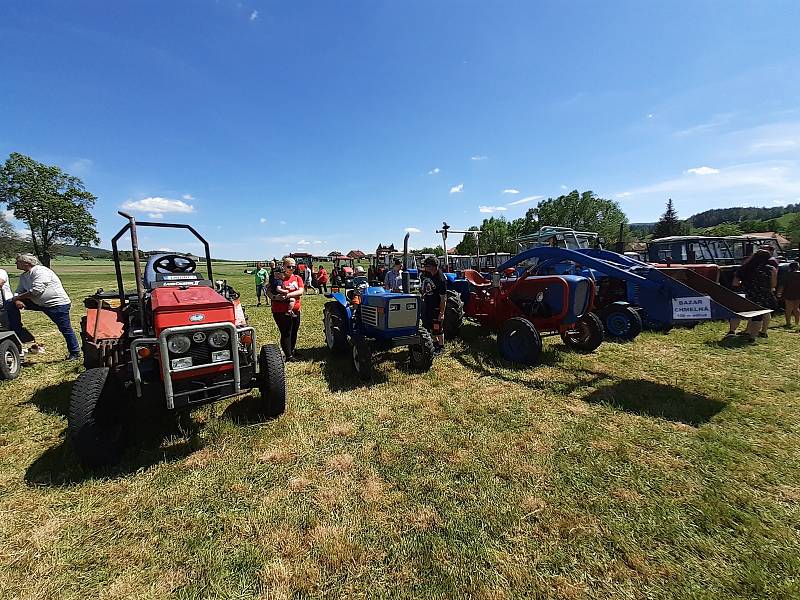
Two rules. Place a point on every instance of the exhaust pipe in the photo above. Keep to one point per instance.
(406, 277)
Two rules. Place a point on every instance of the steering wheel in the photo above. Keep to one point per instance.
(174, 263)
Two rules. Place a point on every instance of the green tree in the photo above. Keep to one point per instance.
(9, 240)
(669, 223)
(495, 235)
(793, 230)
(467, 245)
(722, 229)
(55, 205)
(438, 251)
(580, 211)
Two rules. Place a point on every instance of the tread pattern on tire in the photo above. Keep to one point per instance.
(635, 318)
(427, 352)
(522, 325)
(8, 345)
(96, 436)
(336, 310)
(272, 380)
(453, 314)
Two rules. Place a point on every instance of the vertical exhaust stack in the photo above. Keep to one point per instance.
(137, 266)
(406, 275)
(620, 245)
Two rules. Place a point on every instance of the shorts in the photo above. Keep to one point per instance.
(430, 313)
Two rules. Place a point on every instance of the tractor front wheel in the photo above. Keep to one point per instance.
(622, 323)
(334, 321)
(95, 418)
(420, 355)
(271, 381)
(10, 361)
(362, 358)
(587, 334)
(519, 342)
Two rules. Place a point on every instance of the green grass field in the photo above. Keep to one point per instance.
(664, 468)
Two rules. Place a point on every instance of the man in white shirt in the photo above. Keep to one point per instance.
(40, 289)
(8, 305)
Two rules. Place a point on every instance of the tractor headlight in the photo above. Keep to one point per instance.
(219, 338)
(178, 344)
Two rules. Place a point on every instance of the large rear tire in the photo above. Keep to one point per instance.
(271, 381)
(10, 361)
(519, 342)
(453, 315)
(95, 418)
(420, 356)
(587, 334)
(622, 323)
(334, 321)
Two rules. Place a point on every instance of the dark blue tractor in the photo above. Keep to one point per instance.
(366, 320)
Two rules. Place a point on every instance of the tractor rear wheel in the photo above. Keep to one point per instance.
(10, 362)
(622, 323)
(334, 319)
(420, 356)
(453, 315)
(587, 334)
(95, 417)
(519, 342)
(271, 381)
(362, 358)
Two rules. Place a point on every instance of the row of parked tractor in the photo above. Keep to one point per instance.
(181, 339)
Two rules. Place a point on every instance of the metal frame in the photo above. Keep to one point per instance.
(166, 368)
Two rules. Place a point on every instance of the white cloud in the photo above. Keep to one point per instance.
(303, 243)
(524, 200)
(164, 250)
(80, 166)
(649, 115)
(156, 215)
(457, 188)
(187, 197)
(283, 222)
(434, 171)
(156, 204)
(623, 195)
(562, 186)
(254, 15)
(703, 171)
(491, 209)
(715, 121)
(479, 157)
(511, 191)
(318, 242)
(262, 220)
(412, 230)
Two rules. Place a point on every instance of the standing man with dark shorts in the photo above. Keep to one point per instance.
(434, 301)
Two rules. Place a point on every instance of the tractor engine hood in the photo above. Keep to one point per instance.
(182, 306)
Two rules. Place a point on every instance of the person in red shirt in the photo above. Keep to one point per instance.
(322, 279)
(288, 322)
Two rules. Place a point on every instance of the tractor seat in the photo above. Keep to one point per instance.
(475, 278)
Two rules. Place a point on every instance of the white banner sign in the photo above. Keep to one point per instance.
(691, 309)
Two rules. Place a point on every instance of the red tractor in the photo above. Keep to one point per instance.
(180, 338)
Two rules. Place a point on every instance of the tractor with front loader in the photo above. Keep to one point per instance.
(366, 320)
(180, 340)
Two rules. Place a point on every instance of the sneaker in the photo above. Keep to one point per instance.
(437, 350)
(730, 334)
(762, 334)
(73, 356)
(36, 349)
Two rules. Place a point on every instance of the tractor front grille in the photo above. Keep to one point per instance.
(369, 315)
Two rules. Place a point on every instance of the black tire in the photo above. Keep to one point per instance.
(362, 358)
(453, 315)
(10, 361)
(519, 342)
(271, 381)
(334, 319)
(622, 323)
(587, 335)
(420, 356)
(95, 418)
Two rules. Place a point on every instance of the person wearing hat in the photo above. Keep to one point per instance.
(393, 282)
(433, 289)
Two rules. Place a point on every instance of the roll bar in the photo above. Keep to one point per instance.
(132, 226)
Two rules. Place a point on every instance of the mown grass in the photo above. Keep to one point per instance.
(665, 468)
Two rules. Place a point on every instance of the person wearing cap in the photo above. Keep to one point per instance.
(288, 321)
(433, 289)
(359, 276)
(393, 281)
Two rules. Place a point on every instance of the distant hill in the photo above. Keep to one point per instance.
(716, 216)
(70, 250)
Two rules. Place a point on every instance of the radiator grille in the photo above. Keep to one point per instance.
(369, 315)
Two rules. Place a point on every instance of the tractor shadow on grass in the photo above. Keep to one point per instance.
(648, 398)
(340, 375)
(52, 400)
(152, 437)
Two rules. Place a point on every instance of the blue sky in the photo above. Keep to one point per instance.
(275, 126)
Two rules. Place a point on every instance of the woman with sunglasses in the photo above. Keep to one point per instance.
(288, 322)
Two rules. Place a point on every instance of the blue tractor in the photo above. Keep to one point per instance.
(365, 320)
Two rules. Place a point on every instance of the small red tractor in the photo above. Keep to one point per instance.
(181, 339)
